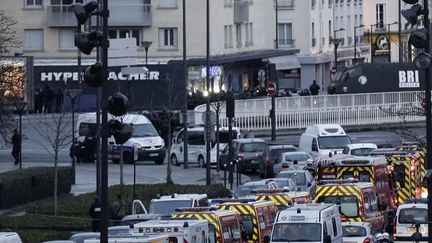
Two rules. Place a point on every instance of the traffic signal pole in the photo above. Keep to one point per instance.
(104, 133)
(428, 116)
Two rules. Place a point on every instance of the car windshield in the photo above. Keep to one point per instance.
(247, 222)
(298, 157)
(362, 151)
(298, 177)
(244, 191)
(144, 130)
(287, 232)
(168, 207)
(348, 204)
(333, 142)
(412, 215)
(353, 231)
(253, 147)
(275, 153)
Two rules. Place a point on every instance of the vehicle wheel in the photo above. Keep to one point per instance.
(128, 158)
(201, 162)
(159, 162)
(116, 161)
(174, 160)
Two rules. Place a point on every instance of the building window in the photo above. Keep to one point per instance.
(250, 34)
(330, 3)
(247, 34)
(168, 4)
(239, 35)
(63, 5)
(285, 35)
(226, 36)
(285, 3)
(379, 15)
(125, 33)
(230, 35)
(33, 40)
(168, 38)
(66, 39)
(313, 35)
(33, 3)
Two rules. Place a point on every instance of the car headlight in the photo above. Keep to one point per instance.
(424, 194)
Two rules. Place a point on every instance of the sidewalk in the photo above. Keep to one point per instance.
(146, 173)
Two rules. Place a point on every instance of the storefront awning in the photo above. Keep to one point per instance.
(285, 62)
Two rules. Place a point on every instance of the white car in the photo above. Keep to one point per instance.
(357, 232)
(295, 160)
(285, 183)
(407, 216)
(359, 149)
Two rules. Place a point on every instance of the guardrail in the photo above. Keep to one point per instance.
(302, 111)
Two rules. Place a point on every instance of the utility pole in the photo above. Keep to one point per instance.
(208, 122)
(185, 108)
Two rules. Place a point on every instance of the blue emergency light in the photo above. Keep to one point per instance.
(415, 200)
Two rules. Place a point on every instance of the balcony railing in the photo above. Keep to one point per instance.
(286, 43)
(137, 15)
(241, 11)
(285, 4)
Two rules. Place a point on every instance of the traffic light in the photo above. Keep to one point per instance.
(118, 104)
(93, 75)
(121, 132)
(411, 15)
(84, 11)
(87, 41)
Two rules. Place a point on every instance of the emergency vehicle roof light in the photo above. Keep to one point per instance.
(239, 200)
(298, 210)
(196, 209)
(185, 224)
(416, 200)
(345, 181)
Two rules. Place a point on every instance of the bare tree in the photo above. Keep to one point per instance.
(54, 132)
(8, 38)
(404, 128)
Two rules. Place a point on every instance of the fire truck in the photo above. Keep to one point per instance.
(257, 216)
(294, 196)
(358, 200)
(281, 200)
(363, 169)
(224, 225)
(408, 167)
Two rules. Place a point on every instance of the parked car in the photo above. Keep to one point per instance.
(271, 158)
(248, 152)
(303, 179)
(248, 188)
(359, 149)
(357, 232)
(285, 183)
(296, 160)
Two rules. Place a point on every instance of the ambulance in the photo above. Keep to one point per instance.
(257, 216)
(281, 200)
(133, 239)
(358, 201)
(308, 223)
(224, 225)
(166, 205)
(178, 231)
(363, 169)
(409, 216)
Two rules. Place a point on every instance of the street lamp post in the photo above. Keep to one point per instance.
(355, 41)
(20, 107)
(371, 41)
(389, 39)
(146, 45)
(336, 42)
(73, 94)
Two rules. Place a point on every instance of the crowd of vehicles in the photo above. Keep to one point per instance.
(327, 190)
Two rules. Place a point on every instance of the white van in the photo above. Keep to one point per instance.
(321, 139)
(197, 145)
(145, 143)
(308, 223)
(407, 215)
(9, 237)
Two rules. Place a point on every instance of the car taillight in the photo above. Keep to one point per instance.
(269, 162)
(367, 240)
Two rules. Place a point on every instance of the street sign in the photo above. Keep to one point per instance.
(261, 75)
(271, 88)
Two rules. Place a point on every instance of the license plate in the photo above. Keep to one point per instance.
(153, 154)
(254, 161)
(412, 229)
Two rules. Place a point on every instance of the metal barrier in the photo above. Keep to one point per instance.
(302, 111)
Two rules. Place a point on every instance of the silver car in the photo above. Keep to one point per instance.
(303, 179)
